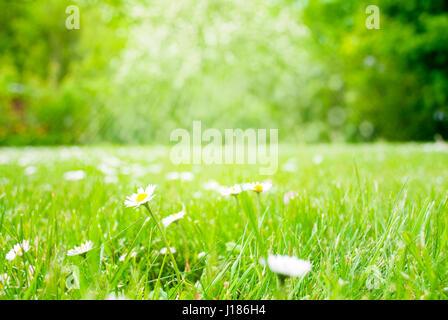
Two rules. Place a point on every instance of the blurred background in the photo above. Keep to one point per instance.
(136, 69)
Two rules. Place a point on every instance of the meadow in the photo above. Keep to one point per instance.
(371, 220)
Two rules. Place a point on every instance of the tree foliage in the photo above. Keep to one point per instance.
(135, 70)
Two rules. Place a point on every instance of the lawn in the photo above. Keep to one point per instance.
(371, 219)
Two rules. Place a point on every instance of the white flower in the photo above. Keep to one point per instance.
(174, 217)
(18, 250)
(258, 186)
(113, 296)
(122, 257)
(183, 176)
(11, 255)
(233, 190)
(211, 185)
(4, 279)
(248, 186)
(112, 161)
(197, 195)
(22, 247)
(165, 250)
(317, 159)
(4, 159)
(74, 175)
(141, 197)
(201, 254)
(155, 168)
(133, 254)
(289, 196)
(186, 176)
(126, 170)
(31, 270)
(107, 170)
(4, 282)
(290, 165)
(288, 266)
(110, 179)
(138, 170)
(172, 176)
(30, 170)
(25, 160)
(83, 248)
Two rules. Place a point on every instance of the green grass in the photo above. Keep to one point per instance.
(372, 219)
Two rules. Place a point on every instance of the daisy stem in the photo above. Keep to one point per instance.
(238, 206)
(187, 254)
(258, 204)
(281, 288)
(237, 203)
(176, 269)
(25, 266)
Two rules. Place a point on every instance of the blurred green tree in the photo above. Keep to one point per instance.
(51, 75)
(136, 69)
(394, 80)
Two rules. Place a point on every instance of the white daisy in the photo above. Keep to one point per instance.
(211, 185)
(30, 170)
(288, 266)
(317, 159)
(290, 165)
(25, 160)
(112, 161)
(122, 257)
(4, 279)
(18, 250)
(141, 197)
(31, 270)
(197, 195)
(155, 168)
(4, 282)
(186, 176)
(126, 170)
(201, 254)
(289, 196)
(233, 190)
(82, 249)
(74, 175)
(110, 179)
(4, 159)
(137, 170)
(174, 217)
(113, 296)
(133, 254)
(172, 175)
(165, 250)
(107, 170)
(258, 186)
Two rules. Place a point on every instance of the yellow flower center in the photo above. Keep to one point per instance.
(258, 188)
(141, 197)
